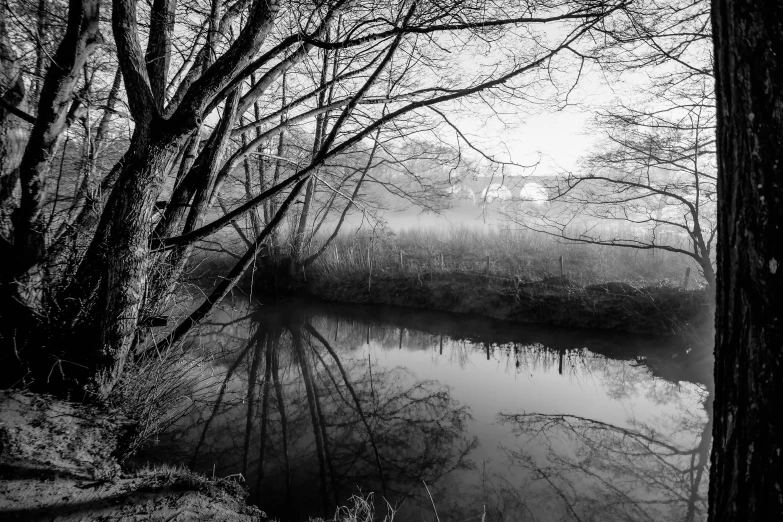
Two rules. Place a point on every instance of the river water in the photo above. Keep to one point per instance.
(446, 416)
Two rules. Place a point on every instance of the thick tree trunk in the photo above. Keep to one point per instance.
(204, 184)
(158, 54)
(127, 259)
(746, 477)
(13, 132)
(40, 52)
(81, 37)
(121, 244)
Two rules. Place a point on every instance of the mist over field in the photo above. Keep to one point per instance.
(417, 259)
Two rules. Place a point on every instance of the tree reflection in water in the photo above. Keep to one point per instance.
(308, 404)
(592, 470)
(287, 404)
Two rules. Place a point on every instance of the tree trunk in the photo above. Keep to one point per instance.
(320, 129)
(12, 128)
(746, 476)
(81, 37)
(127, 259)
(158, 54)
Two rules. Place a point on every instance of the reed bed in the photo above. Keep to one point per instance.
(519, 254)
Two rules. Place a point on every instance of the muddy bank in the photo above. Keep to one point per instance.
(609, 306)
(60, 461)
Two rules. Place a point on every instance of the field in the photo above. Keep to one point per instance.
(501, 253)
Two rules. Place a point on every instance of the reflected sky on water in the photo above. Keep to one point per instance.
(500, 420)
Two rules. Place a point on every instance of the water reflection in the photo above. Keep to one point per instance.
(506, 422)
(647, 470)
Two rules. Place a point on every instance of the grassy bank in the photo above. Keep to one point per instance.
(658, 310)
(511, 275)
(515, 276)
(501, 253)
(59, 461)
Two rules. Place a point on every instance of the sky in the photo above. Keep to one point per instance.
(556, 140)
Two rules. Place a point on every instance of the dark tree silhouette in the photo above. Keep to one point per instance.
(78, 290)
(747, 464)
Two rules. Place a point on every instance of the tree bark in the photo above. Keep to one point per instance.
(82, 36)
(158, 54)
(746, 476)
(12, 127)
(121, 245)
(127, 260)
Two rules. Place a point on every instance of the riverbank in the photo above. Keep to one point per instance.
(510, 275)
(60, 461)
(653, 309)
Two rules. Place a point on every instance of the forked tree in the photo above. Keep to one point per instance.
(85, 290)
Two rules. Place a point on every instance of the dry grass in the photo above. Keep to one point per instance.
(359, 509)
(158, 389)
(512, 253)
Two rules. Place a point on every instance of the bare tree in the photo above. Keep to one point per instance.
(651, 183)
(188, 83)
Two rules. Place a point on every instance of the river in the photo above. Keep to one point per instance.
(445, 416)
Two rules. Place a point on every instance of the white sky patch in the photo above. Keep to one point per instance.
(533, 192)
(544, 143)
(495, 191)
(462, 192)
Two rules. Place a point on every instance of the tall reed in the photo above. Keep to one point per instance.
(504, 253)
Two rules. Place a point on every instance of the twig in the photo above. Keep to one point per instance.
(431, 500)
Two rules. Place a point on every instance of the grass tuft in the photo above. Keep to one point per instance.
(359, 509)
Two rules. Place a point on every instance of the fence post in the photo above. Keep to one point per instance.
(369, 270)
(687, 278)
(487, 265)
(441, 261)
(402, 267)
(562, 271)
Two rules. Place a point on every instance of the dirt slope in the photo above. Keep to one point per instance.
(58, 462)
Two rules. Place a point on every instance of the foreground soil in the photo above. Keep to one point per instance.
(656, 310)
(59, 462)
